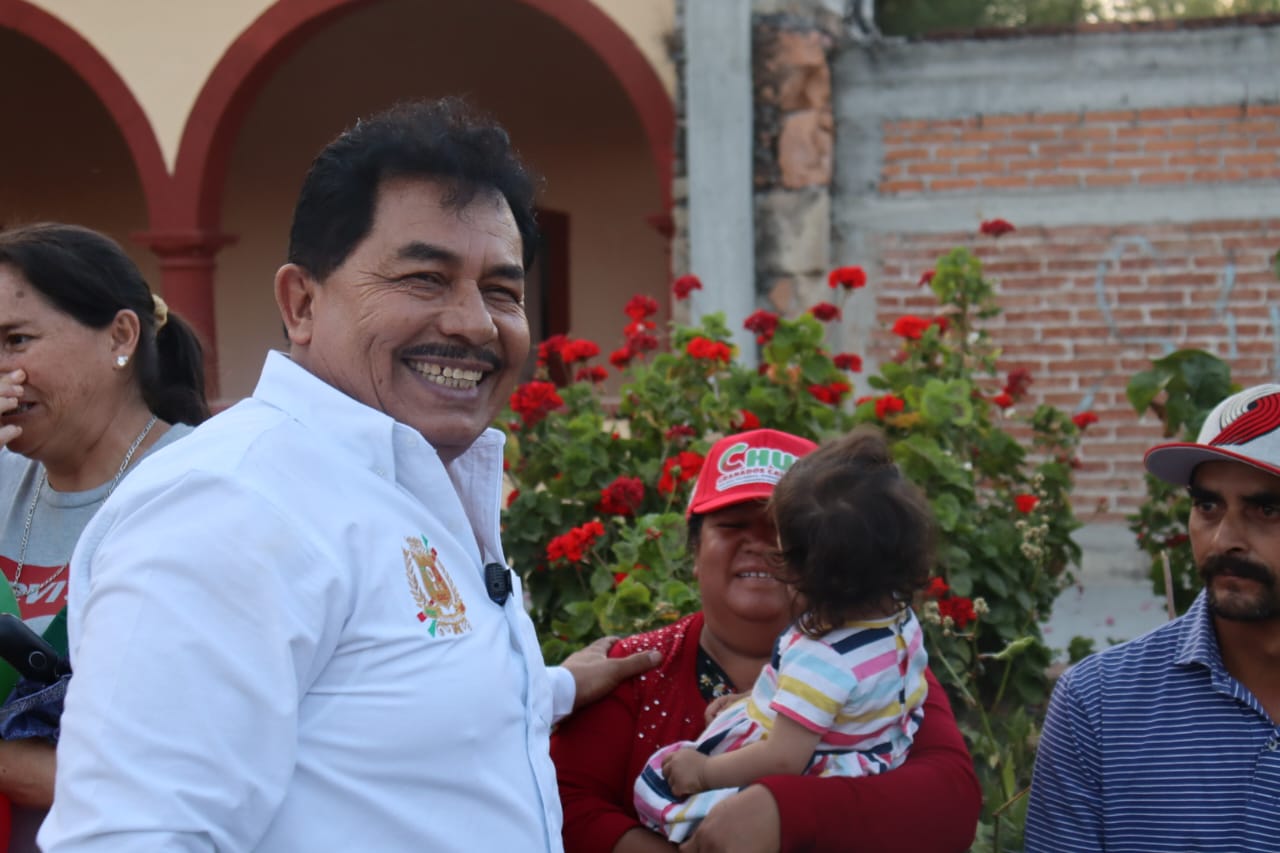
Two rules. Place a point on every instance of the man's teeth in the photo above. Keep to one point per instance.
(449, 377)
(755, 575)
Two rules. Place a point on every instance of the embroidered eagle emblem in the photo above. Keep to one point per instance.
(441, 608)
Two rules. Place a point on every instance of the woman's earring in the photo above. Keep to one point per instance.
(122, 360)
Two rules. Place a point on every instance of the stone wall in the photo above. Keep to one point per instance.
(792, 155)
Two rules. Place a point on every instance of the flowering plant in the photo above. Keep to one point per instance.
(1180, 390)
(997, 471)
(595, 522)
(606, 485)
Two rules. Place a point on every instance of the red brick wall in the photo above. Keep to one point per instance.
(1081, 150)
(1173, 288)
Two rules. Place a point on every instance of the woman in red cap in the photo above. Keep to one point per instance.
(721, 650)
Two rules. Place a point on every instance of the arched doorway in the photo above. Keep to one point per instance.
(79, 147)
(594, 124)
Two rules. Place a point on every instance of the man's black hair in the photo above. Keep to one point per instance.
(444, 140)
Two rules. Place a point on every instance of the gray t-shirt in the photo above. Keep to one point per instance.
(56, 525)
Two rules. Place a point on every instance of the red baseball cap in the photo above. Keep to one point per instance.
(745, 467)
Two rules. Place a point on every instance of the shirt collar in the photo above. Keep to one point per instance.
(1199, 641)
(365, 433)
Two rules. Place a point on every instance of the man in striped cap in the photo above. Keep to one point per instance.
(1171, 742)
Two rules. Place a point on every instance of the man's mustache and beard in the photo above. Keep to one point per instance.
(1261, 605)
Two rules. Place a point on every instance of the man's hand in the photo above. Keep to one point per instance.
(10, 393)
(747, 822)
(595, 674)
(683, 769)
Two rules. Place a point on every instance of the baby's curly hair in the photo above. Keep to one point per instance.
(854, 533)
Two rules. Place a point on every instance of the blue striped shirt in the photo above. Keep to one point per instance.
(1152, 747)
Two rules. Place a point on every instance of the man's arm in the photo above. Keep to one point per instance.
(886, 807)
(200, 618)
(26, 772)
(1065, 812)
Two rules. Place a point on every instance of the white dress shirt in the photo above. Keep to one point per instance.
(282, 641)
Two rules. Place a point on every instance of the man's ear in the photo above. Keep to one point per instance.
(295, 297)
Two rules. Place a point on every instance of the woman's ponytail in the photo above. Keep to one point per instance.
(173, 381)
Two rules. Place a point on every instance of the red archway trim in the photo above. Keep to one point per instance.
(234, 84)
(83, 58)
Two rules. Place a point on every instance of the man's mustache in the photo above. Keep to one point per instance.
(1229, 565)
(455, 353)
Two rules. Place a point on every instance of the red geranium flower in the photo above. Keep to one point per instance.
(763, 323)
(681, 468)
(996, 227)
(959, 608)
(621, 497)
(638, 327)
(1017, 382)
(642, 343)
(1083, 419)
(910, 327)
(680, 431)
(941, 322)
(620, 358)
(705, 349)
(747, 421)
(825, 311)
(888, 404)
(1025, 503)
(640, 307)
(1003, 400)
(579, 350)
(533, 401)
(596, 374)
(511, 498)
(831, 393)
(849, 361)
(552, 345)
(937, 588)
(684, 285)
(847, 277)
(572, 546)
(926, 277)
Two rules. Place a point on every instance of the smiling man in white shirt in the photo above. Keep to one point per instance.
(282, 633)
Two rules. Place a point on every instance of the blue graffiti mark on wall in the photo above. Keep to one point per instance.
(1221, 310)
(1275, 341)
(1118, 247)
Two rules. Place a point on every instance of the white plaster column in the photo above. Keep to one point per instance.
(719, 126)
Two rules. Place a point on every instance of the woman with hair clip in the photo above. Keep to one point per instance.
(95, 374)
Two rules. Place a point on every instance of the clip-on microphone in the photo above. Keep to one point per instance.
(497, 581)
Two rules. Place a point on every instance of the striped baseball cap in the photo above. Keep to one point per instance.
(1245, 428)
